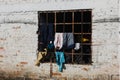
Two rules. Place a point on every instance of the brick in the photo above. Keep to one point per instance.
(23, 62)
(1, 48)
(56, 74)
(18, 27)
(2, 39)
(1, 55)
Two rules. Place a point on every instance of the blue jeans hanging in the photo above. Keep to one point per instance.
(60, 60)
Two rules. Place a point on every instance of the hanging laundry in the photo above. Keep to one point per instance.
(77, 42)
(58, 42)
(60, 60)
(45, 40)
(77, 46)
(50, 33)
(45, 34)
(50, 36)
(68, 40)
(85, 39)
(40, 55)
(50, 45)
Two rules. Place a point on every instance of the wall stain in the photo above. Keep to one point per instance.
(107, 20)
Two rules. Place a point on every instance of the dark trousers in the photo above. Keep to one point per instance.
(46, 34)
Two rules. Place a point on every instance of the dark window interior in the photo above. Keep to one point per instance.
(86, 14)
(68, 28)
(68, 17)
(60, 17)
(77, 28)
(77, 16)
(60, 28)
(79, 23)
(51, 17)
(86, 28)
(43, 18)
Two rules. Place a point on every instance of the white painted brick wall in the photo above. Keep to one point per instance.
(18, 38)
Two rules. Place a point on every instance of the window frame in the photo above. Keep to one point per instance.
(83, 21)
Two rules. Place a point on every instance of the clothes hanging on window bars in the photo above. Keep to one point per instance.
(60, 60)
(68, 40)
(58, 42)
(45, 35)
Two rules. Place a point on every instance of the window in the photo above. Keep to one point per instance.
(78, 22)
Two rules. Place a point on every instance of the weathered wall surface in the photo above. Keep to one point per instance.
(18, 39)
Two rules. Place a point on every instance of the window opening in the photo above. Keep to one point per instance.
(68, 17)
(59, 17)
(79, 23)
(77, 28)
(77, 16)
(68, 28)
